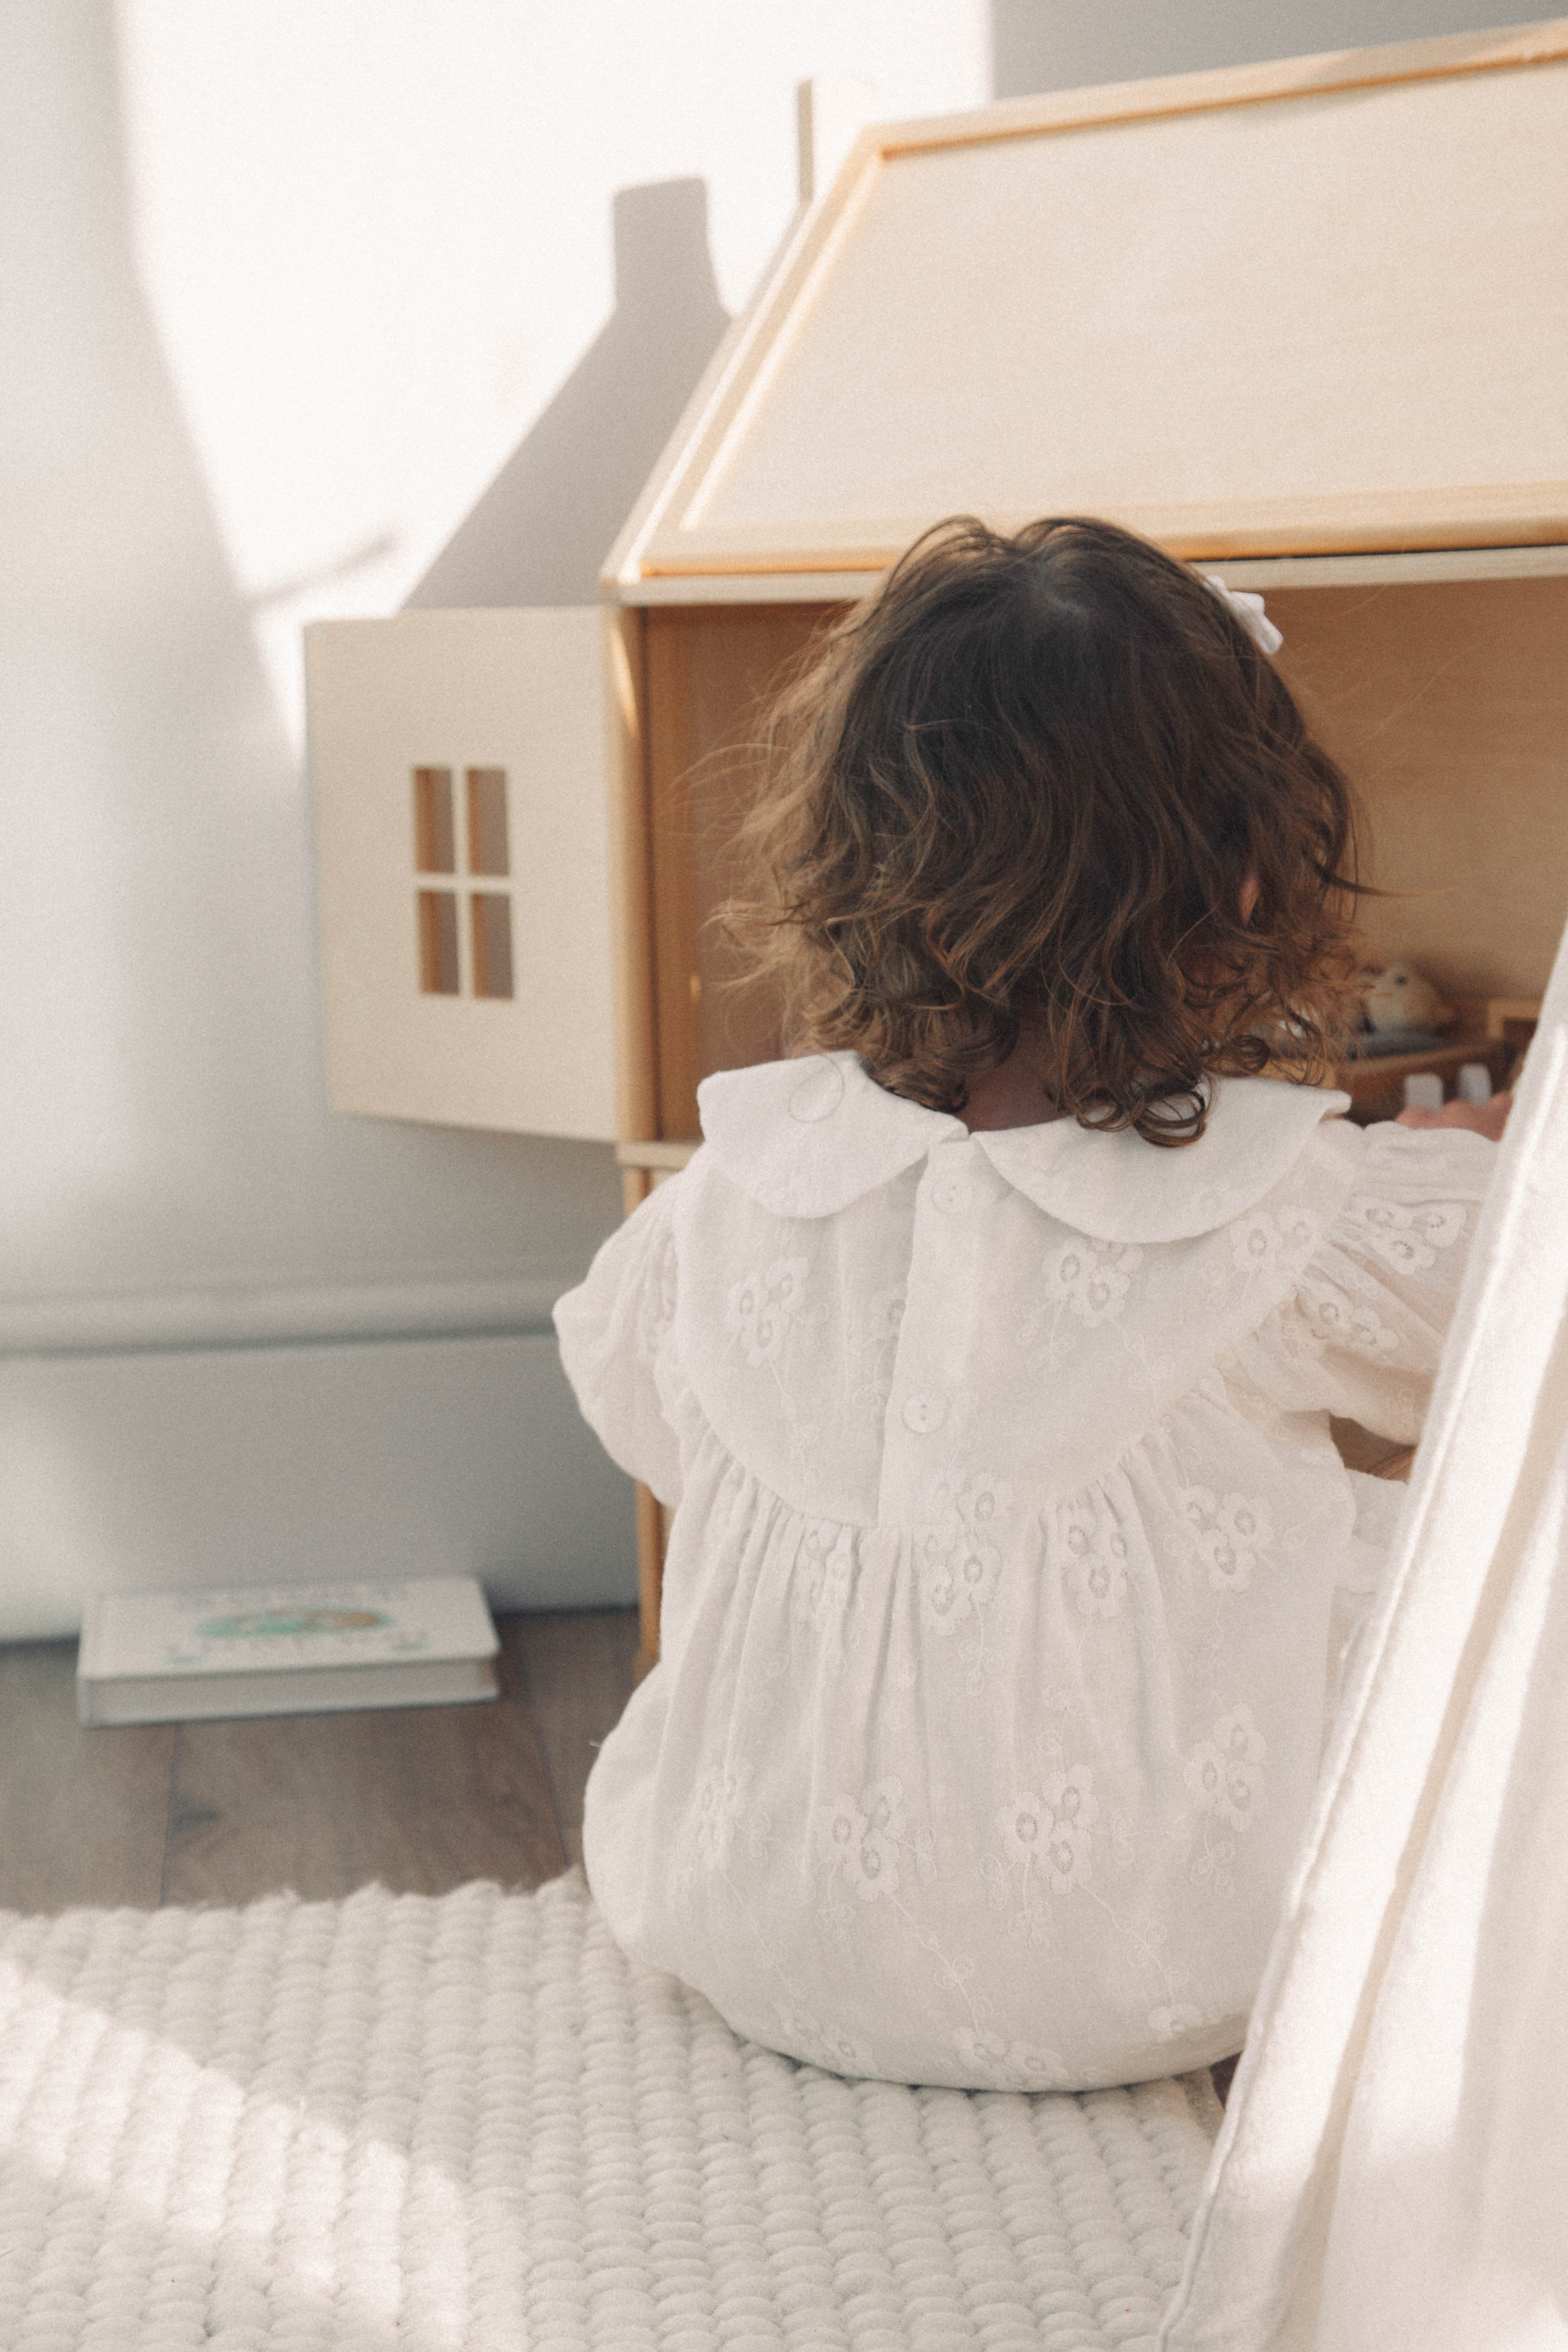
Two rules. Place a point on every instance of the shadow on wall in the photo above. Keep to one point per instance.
(543, 528)
(146, 766)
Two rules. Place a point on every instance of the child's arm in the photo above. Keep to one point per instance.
(1362, 1335)
(613, 1329)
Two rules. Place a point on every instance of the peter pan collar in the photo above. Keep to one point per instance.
(805, 1138)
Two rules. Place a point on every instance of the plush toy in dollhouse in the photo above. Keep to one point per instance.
(1409, 1032)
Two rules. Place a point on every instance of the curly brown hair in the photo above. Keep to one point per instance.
(1023, 785)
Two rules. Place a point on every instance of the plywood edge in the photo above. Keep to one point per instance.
(1452, 520)
(1390, 570)
(751, 588)
(631, 883)
(1383, 568)
(1320, 74)
(652, 1530)
(672, 1155)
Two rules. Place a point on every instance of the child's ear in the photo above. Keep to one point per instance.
(1249, 894)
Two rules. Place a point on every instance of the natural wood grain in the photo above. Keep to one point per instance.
(631, 873)
(419, 1798)
(651, 1539)
(710, 673)
(82, 1813)
(577, 1669)
(1447, 705)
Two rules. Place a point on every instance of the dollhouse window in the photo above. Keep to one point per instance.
(484, 854)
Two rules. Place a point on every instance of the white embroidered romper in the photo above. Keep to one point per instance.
(1011, 1557)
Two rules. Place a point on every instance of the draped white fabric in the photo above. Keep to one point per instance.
(1393, 2167)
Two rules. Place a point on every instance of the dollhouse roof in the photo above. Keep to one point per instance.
(1303, 307)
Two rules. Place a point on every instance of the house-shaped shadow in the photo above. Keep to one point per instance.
(541, 531)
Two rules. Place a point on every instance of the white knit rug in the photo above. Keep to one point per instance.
(470, 2123)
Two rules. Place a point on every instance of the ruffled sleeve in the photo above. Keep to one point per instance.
(1363, 1333)
(613, 1330)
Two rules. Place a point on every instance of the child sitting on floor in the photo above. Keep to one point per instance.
(987, 1352)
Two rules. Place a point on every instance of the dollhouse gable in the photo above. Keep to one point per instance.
(460, 769)
(1309, 307)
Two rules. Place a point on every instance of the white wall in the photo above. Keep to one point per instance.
(307, 303)
(315, 308)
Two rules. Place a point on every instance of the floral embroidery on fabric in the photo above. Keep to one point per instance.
(879, 1347)
(861, 1840)
(1224, 1772)
(1301, 1231)
(1262, 1244)
(1406, 1238)
(826, 1564)
(788, 1196)
(1347, 1322)
(656, 1307)
(1092, 1282)
(837, 2053)
(762, 1307)
(1005, 2062)
(1096, 1553)
(1046, 1836)
(976, 1499)
(959, 1566)
(1170, 2021)
(717, 1812)
(958, 1575)
(1087, 1281)
(862, 1844)
(718, 1804)
(1255, 1243)
(1230, 1536)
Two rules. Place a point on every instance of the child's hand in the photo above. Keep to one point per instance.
(1486, 1118)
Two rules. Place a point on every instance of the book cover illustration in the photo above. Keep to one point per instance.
(253, 1628)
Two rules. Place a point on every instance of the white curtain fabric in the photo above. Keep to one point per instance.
(1392, 2170)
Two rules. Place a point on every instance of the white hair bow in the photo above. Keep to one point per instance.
(1249, 610)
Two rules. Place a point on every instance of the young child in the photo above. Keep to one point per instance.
(986, 1348)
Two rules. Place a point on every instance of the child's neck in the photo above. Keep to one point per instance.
(1012, 1096)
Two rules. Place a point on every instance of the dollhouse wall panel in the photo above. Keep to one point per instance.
(709, 673)
(1244, 322)
(1449, 706)
(460, 769)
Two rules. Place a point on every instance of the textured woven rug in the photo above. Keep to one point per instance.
(470, 2125)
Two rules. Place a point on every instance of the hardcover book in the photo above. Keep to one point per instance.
(284, 1649)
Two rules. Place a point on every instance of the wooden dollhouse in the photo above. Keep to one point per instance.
(1304, 322)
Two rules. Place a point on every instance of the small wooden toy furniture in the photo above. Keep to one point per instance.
(1299, 322)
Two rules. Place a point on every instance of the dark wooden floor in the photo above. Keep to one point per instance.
(419, 1798)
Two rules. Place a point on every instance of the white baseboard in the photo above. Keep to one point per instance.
(188, 1465)
(259, 1315)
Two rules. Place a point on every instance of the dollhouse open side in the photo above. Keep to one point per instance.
(1305, 323)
